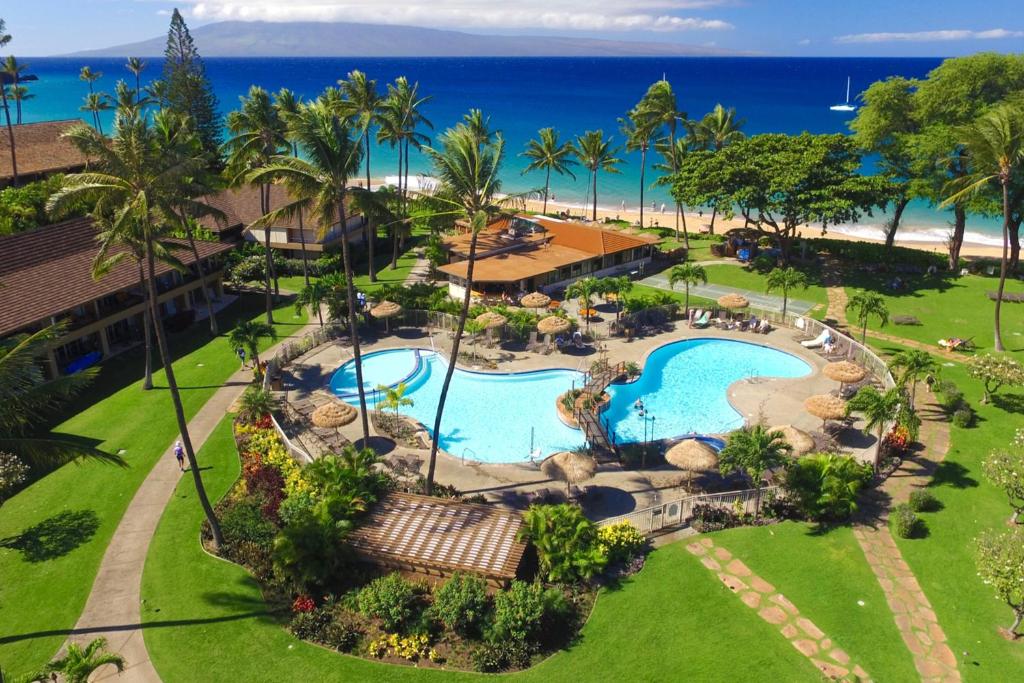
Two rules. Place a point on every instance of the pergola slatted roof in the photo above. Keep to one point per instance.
(439, 534)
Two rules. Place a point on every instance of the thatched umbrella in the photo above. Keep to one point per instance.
(553, 324)
(334, 414)
(571, 467)
(692, 455)
(491, 321)
(733, 301)
(386, 310)
(801, 441)
(826, 406)
(535, 300)
(845, 372)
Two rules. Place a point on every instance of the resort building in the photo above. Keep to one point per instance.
(40, 151)
(46, 278)
(530, 253)
(241, 208)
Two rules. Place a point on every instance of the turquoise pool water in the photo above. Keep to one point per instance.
(683, 388)
(488, 417)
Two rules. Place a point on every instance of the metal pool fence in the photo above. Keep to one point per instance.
(674, 513)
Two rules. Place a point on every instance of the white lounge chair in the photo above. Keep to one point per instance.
(817, 341)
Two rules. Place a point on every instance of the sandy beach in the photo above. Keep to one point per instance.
(696, 222)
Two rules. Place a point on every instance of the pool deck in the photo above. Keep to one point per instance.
(776, 401)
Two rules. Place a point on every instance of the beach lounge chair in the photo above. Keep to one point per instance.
(820, 340)
(703, 321)
(763, 327)
(957, 344)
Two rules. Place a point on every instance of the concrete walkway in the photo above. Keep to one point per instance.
(768, 302)
(113, 610)
(420, 271)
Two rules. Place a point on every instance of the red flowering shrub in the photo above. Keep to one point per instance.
(263, 481)
(262, 422)
(303, 603)
(898, 439)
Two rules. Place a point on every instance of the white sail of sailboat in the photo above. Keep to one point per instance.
(847, 106)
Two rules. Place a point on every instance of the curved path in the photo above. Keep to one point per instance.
(113, 609)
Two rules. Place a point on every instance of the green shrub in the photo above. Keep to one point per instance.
(923, 500)
(494, 657)
(903, 522)
(705, 518)
(825, 486)
(525, 611)
(243, 522)
(964, 417)
(295, 507)
(565, 540)
(621, 542)
(343, 633)
(391, 599)
(460, 603)
(311, 625)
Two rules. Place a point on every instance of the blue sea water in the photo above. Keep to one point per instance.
(522, 95)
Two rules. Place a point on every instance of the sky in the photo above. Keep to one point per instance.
(937, 28)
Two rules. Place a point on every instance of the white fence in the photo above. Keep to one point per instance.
(675, 512)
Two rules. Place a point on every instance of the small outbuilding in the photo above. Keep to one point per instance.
(437, 537)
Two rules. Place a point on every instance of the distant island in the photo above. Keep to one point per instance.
(343, 39)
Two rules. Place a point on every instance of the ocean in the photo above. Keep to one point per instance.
(522, 95)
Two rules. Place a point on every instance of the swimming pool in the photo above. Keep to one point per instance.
(683, 387)
(488, 417)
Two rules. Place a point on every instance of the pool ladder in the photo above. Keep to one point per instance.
(468, 450)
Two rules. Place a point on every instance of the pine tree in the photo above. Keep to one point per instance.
(188, 91)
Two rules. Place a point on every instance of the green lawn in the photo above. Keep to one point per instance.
(385, 276)
(673, 622)
(53, 534)
(944, 560)
(826, 576)
(948, 307)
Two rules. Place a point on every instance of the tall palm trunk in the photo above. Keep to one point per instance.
(265, 209)
(1005, 181)
(463, 314)
(302, 238)
(594, 218)
(371, 229)
(956, 241)
(394, 247)
(10, 136)
(179, 410)
(1014, 244)
(643, 172)
(147, 333)
(202, 279)
(686, 233)
(547, 189)
(353, 324)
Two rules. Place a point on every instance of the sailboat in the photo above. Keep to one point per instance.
(847, 106)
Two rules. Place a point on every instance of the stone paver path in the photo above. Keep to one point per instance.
(113, 609)
(420, 272)
(836, 305)
(912, 612)
(772, 606)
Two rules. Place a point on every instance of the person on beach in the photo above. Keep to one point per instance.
(179, 455)
(663, 207)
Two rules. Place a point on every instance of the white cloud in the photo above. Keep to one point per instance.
(562, 15)
(805, 41)
(928, 36)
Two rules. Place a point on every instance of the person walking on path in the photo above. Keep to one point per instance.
(179, 454)
(241, 354)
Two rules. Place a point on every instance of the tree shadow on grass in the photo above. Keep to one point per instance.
(953, 474)
(54, 537)
(1011, 403)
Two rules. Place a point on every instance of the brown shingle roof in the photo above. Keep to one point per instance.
(518, 265)
(47, 271)
(447, 535)
(241, 207)
(593, 239)
(40, 150)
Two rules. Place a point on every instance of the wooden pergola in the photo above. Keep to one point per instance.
(437, 537)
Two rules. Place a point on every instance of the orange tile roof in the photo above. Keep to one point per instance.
(40, 149)
(593, 239)
(518, 265)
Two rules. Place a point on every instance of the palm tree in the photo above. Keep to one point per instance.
(639, 127)
(136, 66)
(287, 104)
(468, 170)
(755, 450)
(136, 182)
(995, 147)
(20, 93)
(27, 397)
(256, 402)
(247, 335)
(79, 663)
(688, 274)
(619, 286)
(673, 156)
(401, 115)
(5, 37)
(362, 105)
(319, 184)
(96, 102)
(547, 153)
(785, 280)
(911, 366)
(258, 135)
(583, 289)
(10, 71)
(715, 131)
(660, 106)
(596, 154)
(313, 295)
(381, 207)
(394, 397)
(866, 304)
(878, 410)
(89, 76)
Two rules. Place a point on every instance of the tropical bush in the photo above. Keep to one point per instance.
(620, 542)
(964, 417)
(460, 604)
(825, 486)
(245, 522)
(1000, 561)
(525, 612)
(922, 500)
(12, 474)
(392, 599)
(565, 540)
(311, 625)
(1005, 470)
(494, 657)
(704, 518)
(343, 634)
(903, 522)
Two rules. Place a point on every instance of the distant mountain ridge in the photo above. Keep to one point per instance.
(343, 39)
